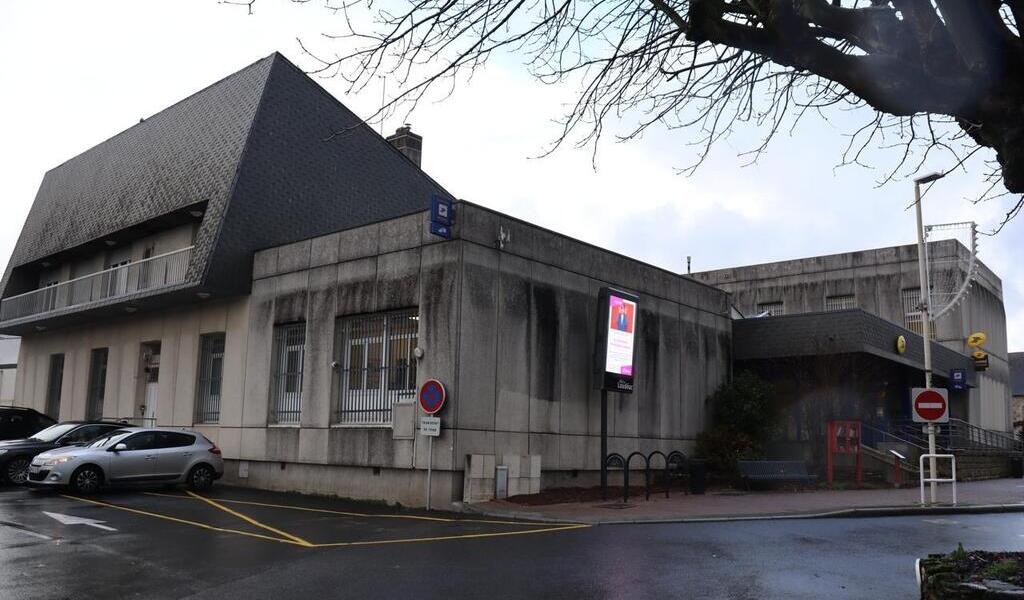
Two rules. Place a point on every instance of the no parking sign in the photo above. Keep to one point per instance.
(432, 396)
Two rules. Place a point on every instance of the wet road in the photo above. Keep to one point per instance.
(245, 544)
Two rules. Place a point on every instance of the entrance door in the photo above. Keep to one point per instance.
(149, 377)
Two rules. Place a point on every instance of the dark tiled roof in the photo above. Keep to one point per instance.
(276, 158)
(838, 332)
(1017, 373)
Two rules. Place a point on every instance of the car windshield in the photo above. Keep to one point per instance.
(111, 438)
(53, 432)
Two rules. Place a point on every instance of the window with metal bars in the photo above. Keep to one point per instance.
(209, 378)
(844, 302)
(773, 309)
(97, 384)
(286, 375)
(377, 366)
(912, 309)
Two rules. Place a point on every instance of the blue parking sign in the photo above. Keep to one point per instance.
(958, 379)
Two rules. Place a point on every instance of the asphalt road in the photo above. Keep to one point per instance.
(252, 545)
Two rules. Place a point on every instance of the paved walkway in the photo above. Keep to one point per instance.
(995, 494)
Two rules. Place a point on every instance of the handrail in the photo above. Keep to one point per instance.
(163, 270)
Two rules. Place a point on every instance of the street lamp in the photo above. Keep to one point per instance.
(926, 293)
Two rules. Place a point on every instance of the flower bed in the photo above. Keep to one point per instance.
(976, 575)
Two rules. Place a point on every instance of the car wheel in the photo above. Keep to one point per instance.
(86, 480)
(16, 471)
(200, 478)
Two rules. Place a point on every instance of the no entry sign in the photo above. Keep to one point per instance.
(931, 405)
(432, 396)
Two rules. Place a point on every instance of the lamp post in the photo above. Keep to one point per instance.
(926, 288)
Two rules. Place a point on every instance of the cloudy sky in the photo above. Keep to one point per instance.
(74, 73)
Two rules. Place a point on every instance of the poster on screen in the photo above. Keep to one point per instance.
(616, 344)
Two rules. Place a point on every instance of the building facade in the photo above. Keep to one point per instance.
(885, 283)
(1017, 389)
(285, 297)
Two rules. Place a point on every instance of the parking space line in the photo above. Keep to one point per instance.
(368, 515)
(252, 521)
(182, 521)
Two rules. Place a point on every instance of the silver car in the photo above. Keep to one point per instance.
(131, 455)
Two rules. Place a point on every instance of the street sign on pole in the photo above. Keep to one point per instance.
(432, 396)
(931, 405)
(430, 426)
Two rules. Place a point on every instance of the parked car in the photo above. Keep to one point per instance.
(18, 422)
(131, 455)
(15, 455)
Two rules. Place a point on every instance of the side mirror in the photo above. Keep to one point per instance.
(119, 447)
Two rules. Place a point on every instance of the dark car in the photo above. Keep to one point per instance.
(16, 455)
(18, 422)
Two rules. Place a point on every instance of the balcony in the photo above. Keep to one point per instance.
(162, 271)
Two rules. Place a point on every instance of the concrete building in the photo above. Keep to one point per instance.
(885, 283)
(221, 266)
(8, 367)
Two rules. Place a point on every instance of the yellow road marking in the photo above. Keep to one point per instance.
(182, 521)
(369, 515)
(463, 536)
(297, 541)
(252, 521)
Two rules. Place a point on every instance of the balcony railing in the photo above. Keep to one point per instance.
(160, 271)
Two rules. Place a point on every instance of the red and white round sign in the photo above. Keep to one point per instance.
(931, 405)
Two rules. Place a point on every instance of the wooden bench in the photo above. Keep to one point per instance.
(792, 471)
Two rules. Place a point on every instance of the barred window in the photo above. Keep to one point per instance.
(377, 366)
(209, 377)
(97, 384)
(912, 311)
(773, 309)
(286, 374)
(844, 302)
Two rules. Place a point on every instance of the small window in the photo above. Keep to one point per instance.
(844, 302)
(288, 354)
(97, 384)
(771, 309)
(173, 439)
(209, 378)
(54, 385)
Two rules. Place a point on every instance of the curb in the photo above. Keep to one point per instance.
(845, 513)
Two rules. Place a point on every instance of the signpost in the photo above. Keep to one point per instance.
(441, 216)
(615, 355)
(432, 397)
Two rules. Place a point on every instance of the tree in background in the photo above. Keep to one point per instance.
(744, 418)
(944, 78)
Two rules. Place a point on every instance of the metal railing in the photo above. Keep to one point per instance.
(960, 435)
(156, 272)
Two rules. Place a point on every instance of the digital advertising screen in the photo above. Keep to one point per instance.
(616, 346)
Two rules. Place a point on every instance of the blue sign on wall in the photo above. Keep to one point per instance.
(441, 230)
(958, 379)
(440, 210)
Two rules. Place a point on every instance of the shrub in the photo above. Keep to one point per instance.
(744, 417)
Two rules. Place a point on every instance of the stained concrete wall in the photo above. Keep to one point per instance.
(876, 278)
(177, 331)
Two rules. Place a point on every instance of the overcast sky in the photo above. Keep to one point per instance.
(73, 73)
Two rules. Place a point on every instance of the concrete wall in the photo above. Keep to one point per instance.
(876, 278)
(178, 333)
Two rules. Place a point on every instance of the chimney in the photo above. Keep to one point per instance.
(408, 143)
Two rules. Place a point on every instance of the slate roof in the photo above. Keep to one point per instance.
(274, 157)
(839, 332)
(1016, 373)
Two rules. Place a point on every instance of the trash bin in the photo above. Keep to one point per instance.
(698, 476)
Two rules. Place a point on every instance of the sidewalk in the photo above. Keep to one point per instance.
(994, 495)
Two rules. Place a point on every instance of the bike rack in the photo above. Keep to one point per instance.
(925, 480)
(617, 460)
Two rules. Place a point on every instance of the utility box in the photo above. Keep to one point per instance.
(501, 482)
